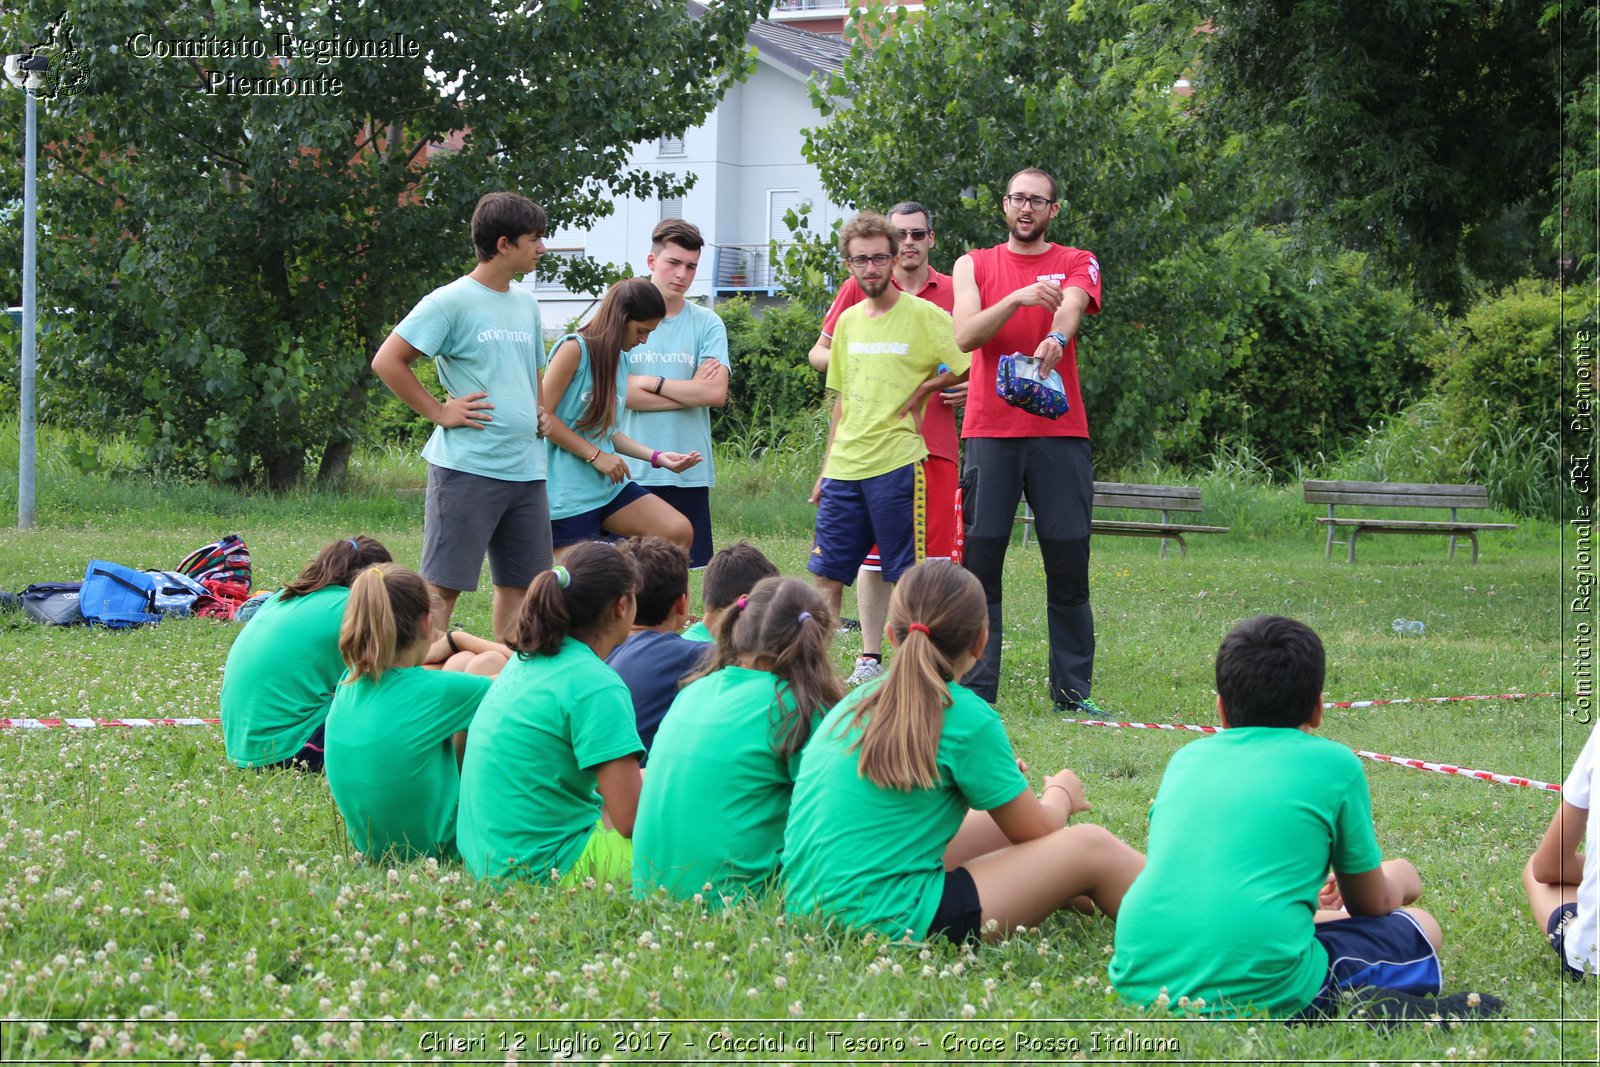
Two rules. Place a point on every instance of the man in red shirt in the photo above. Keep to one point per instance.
(1029, 296)
(912, 274)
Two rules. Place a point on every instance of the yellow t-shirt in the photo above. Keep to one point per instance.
(875, 365)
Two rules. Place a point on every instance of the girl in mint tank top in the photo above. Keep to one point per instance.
(716, 800)
(911, 816)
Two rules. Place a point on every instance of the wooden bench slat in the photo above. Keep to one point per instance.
(1155, 528)
(1444, 525)
(1387, 488)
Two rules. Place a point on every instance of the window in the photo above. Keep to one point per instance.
(671, 207)
(670, 146)
(548, 265)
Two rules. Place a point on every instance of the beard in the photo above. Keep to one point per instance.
(874, 288)
(1034, 231)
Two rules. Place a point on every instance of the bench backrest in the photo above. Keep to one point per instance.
(1150, 497)
(1396, 494)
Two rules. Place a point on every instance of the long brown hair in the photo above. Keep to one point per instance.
(386, 614)
(596, 575)
(786, 623)
(337, 563)
(902, 718)
(630, 300)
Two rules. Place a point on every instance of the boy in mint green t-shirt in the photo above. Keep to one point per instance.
(1235, 912)
(486, 464)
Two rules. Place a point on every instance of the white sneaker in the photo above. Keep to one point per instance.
(867, 669)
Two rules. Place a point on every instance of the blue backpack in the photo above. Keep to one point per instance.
(116, 596)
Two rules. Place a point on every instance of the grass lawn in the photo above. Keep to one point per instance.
(160, 905)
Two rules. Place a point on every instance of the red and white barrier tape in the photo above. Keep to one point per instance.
(1421, 765)
(1434, 700)
(90, 724)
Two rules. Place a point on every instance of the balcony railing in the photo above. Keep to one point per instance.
(744, 269)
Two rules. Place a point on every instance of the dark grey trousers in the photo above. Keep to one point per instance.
(1056, 475)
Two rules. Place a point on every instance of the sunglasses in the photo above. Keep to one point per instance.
(914, 235)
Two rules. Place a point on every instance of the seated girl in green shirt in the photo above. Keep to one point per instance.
(739, 726)
(391, 734)
(551, 779)
(911, 816)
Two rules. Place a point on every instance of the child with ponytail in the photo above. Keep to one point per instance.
(880, 835)
(282, 669)
(739, 724)
(556, 726)
(585, 390)
(391, 754)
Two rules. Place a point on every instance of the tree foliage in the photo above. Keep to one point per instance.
(232, 261)
(1409, 130)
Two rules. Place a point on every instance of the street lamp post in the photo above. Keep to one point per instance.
(27, 71)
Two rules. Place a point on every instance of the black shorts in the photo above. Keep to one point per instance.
(959, 917)
(1556, 928)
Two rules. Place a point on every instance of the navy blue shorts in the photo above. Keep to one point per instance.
(693, 502)
(1388, 951)
(1560, 919)
(891, 509)
(959, 917)
(587, 525)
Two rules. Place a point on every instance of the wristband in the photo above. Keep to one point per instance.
(1058, 337)
(661, 381)
(655, 458)
(596, 455)
(450, 639)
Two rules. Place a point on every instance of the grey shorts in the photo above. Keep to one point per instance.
(468, 515)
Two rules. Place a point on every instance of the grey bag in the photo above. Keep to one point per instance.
(53, 602)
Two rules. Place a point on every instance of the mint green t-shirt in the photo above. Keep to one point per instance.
(1243, 829)
(675, 350)
(874, 366)
(484, 341)
(699, 632)
(575, 486)
(716, 796)
(873, 858)
(279, 679)
(528, 798)
(390, 762)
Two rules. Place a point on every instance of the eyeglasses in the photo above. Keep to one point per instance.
(914, 235)
(1018, 200)
(882, 259)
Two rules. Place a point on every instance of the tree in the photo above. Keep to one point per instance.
(1412, 130)
(236, 209)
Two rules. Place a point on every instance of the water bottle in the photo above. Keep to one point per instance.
(1409, 627)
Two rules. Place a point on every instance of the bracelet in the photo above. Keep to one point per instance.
(1058, 337)
(655, 458)
(450, 639)
(596, 455)
(661, 381)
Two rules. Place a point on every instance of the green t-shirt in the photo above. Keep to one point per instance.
(279, 678)
(1242, 831)
(675, 351)
(699, 632)
(875, 364)
(390, 761)
(528, 799)
(576, 486)
(716, 797)
(871, 857)
(484, 341)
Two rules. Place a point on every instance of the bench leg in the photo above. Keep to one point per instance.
(1355, 531)
(1474, 536)
(1327, 550)
(1452, 554)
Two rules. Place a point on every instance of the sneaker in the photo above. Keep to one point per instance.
(1085, 708)
(867, 669)
(1387, 1008)
(848, 626)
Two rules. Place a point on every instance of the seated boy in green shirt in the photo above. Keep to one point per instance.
(1235, 912)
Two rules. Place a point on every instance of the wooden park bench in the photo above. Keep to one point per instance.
(1162, 498)
(1401, 495)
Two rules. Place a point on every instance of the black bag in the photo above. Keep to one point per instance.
(53, 602)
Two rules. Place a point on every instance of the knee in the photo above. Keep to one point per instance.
(1066, 567)
(1430, 926)
(680, 532)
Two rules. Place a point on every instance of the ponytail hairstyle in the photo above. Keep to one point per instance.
(630, 300)
(387, 613)
(337, 564)
(786, 624)
(573, 597)
(936, 614)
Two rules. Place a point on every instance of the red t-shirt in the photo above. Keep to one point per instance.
(999, 272)
(939, 419)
